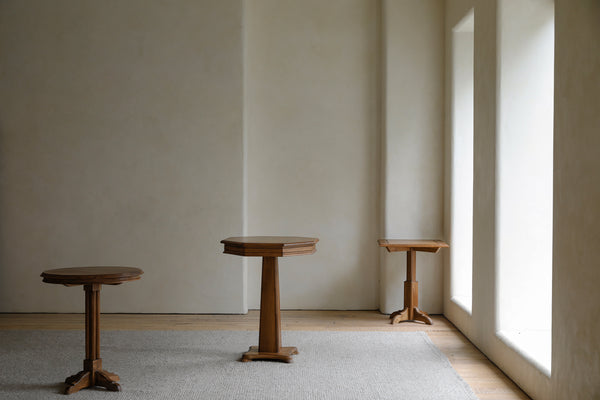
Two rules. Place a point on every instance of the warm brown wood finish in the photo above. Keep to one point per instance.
(432, 246)
(92, 279)
(411, 311)
(89, 275)
(269, 338)
(269, 248)
(486, 380)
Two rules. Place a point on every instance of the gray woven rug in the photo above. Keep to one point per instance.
(203, 365)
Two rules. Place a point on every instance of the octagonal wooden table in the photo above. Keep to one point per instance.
(92, 278)
(411, 311)
(269, 248)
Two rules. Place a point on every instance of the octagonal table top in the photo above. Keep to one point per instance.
(269, 246)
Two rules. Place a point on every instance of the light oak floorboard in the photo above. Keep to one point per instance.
(487, 381)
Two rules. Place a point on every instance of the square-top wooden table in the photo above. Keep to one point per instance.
(269, 248)
(411, 311)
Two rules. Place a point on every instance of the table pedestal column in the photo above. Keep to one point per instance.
(411, 311)
(92, 374)
(269, 336)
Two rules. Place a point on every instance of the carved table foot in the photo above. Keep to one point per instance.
(108, 380)
(82, 380)
(422, 316)
(399, 316)
(77, 382)
(285, 354)
(405, 315)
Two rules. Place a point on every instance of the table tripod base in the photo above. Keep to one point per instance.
(413, 314)
(92, 376)
(284, 354)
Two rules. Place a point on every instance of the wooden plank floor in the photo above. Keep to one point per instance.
(486, 380)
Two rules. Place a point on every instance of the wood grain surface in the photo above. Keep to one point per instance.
(431, 246)
(269, 246)
(83, 275)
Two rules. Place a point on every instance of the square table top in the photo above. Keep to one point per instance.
(432, 246)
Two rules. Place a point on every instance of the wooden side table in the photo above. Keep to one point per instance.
(92, 279)
(269, 248)
(411, 311)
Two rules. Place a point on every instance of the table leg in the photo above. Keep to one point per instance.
(92, 374)
(411, 311)
(269, 336)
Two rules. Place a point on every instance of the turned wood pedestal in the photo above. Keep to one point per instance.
(92, 279)
(411, 311)
(269, 248)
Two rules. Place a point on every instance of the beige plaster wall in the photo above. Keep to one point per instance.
(575, 354)
(121, 144)
(455, 11)
(131, 133)
(412, 146)
(576, 270)
(312, 123)
(481, 326)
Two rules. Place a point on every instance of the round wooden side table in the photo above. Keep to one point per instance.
(269, 248)
(92, 278)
